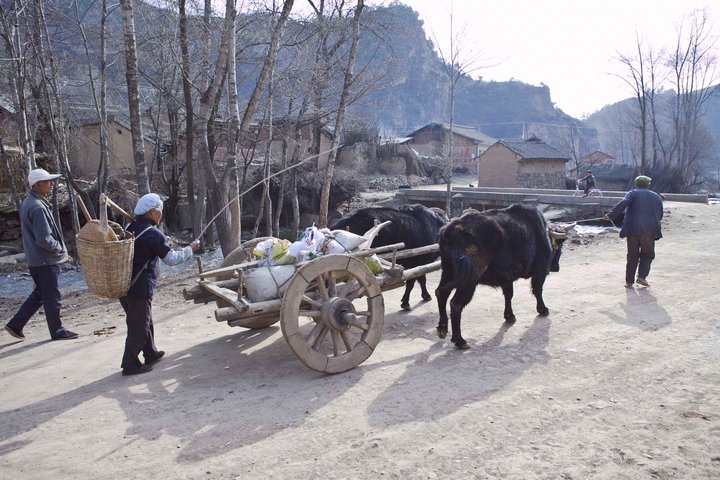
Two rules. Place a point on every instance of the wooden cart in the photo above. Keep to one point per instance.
(332, 311)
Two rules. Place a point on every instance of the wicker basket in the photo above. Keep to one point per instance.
(106, 255)
(107, 266)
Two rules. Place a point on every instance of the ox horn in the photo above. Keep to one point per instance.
(558, 235)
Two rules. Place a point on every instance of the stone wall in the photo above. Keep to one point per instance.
(541, 180)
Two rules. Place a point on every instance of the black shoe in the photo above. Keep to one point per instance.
(15, 333)
(155, 359)
(63, 334)
(137, 370)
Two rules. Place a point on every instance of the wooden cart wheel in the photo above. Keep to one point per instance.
(332, 313)
(239, 255)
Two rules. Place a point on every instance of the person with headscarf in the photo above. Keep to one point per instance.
(641, 226)
(150, 245)
(44, 251)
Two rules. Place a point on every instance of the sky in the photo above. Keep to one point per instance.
(568, 45)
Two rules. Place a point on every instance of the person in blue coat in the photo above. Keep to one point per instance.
(150, 245)
(641, 226)
(45, 251)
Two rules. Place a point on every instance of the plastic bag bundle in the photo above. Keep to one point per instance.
(273, 251)
(373, 263)
(343, 241)
(267, 283)
(309, 246)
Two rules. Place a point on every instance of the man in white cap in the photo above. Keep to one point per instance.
(150, 244)
(44, 252)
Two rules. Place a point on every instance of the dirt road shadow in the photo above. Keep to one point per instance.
(213, 397)
(443, 379)
(640, 310)
(232, 391)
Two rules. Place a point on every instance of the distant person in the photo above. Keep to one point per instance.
(589, 180)
(44, 252)
(150, 244)
(641, 225)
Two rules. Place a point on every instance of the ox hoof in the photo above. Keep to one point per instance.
(510, 319)
(543, 312)
(426, 298)
(441, 332)
(405, 306)
(461, 345)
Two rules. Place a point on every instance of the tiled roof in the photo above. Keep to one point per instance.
(470, 132)
(465, 131)
(534, 148)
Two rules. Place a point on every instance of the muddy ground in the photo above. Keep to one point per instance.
(615, 384)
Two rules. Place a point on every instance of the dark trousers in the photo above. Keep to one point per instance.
(46, 294)
(640, 254)
(140, 331)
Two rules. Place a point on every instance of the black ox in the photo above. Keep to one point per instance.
(494, 248)
(415, 225)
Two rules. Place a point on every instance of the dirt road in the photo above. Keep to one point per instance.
(614, 384)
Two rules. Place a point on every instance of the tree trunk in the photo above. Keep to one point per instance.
(17, 49)
(217, 191)
(340, 120)
(189, 128)
(131, 75)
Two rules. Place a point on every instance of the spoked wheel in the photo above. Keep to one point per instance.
(332, 313)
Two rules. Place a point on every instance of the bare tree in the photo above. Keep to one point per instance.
(340, 119)
(694, 65)
(642, 77)
(99, 95)
(17, 47)
(459, 61)
(131, 75)
(218, 186)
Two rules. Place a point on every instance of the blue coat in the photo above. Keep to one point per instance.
(643, 213)
(148, 248)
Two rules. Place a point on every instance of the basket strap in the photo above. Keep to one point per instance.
(137, 275)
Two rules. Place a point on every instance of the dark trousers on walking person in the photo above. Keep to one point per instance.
(140, 332)
(47, 295)
(641, 252)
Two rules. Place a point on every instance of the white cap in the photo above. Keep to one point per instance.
(40, 175)
(147, 203)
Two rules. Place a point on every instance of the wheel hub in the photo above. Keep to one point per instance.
(338, 312)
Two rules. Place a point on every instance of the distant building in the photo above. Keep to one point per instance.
(529, 163)
(433, 140)
(615, 176)
(597, 158)
(255, 142)
(84, 147)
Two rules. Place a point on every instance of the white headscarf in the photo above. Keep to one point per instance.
(147, 203)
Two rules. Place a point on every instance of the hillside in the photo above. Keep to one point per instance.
(418, 92)
(406, 86)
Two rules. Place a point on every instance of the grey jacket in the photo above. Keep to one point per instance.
(42, 240)
(643, 213)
